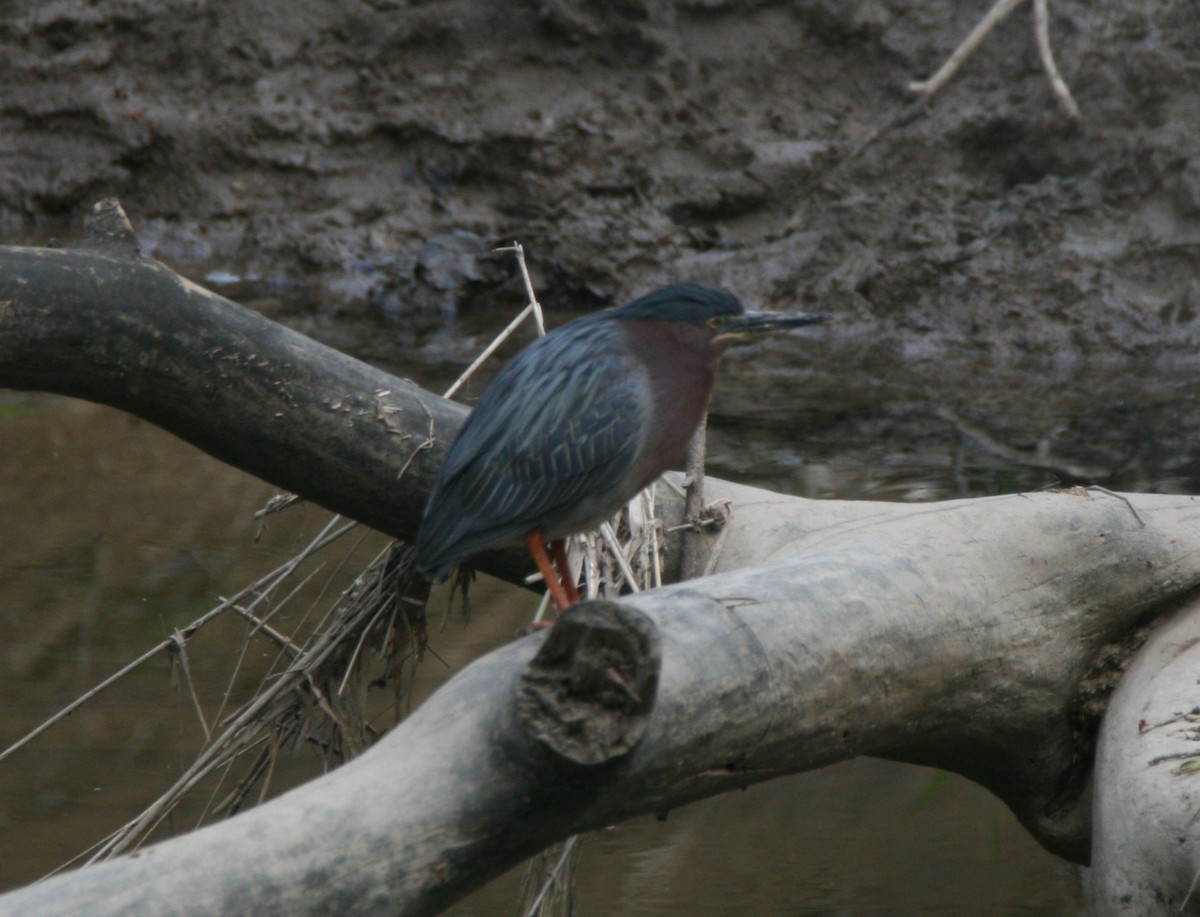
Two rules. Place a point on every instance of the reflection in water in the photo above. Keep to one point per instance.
(863, 837)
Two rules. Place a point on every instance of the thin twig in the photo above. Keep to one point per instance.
(362, 639)
(179, 642)
(614, 547)
(261, 626)
(997, 14)
(262, 597)
(1190, 891)
(489, 350)
(325, 706)
(533, 307)
(273, 749)
(1041, 29)
(653, 527)
(379, 558)
(235, 797)
(96, 690)
(589, 564)
(543, 609)
(725, 508)
(277, 504)
(693, 504)
(1122, 498)
(269, 579)
(530, 296)
(552, 878)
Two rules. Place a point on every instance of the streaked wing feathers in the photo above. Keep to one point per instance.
(560, 423)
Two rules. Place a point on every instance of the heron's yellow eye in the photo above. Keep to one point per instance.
(714, 323)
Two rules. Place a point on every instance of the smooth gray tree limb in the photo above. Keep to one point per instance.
(1146, 854)
(961, 635)
(103, 323)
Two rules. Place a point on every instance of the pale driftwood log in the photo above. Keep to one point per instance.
(956, 634)
(1146, 856)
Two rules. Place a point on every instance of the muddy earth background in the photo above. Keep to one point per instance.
(1005, 282)
(371, 152)
(359, 160)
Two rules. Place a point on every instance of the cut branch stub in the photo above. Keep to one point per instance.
(586, 696)
(109, 230)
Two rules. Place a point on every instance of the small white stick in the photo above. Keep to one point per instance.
(610, 538)
(533, 307)
(1041, 28)
(489, 350)
(994, 17)
(529, 294)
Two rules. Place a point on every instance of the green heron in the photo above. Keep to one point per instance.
(579, 422)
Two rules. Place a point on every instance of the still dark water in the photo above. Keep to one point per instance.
(115, 534)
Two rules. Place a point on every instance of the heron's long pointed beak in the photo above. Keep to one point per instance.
(754, 323)
(761, 322)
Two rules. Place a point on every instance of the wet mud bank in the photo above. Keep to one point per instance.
(357, 161)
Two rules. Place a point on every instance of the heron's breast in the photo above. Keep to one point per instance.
(680, 367)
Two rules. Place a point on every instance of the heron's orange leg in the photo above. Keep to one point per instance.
(559, 550)
(537, 550)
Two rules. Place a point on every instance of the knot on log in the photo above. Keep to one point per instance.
(587, 695)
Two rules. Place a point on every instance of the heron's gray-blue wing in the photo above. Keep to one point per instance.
(560, 424)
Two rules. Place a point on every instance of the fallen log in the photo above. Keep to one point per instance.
(959, 635)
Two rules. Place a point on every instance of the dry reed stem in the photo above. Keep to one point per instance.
(693, 504)
(268, 582)
(555, 894)
(179, 649)
(281, 706)
(533, 308)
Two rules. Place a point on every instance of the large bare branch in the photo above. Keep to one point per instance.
(104, 323)
(958, 634)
